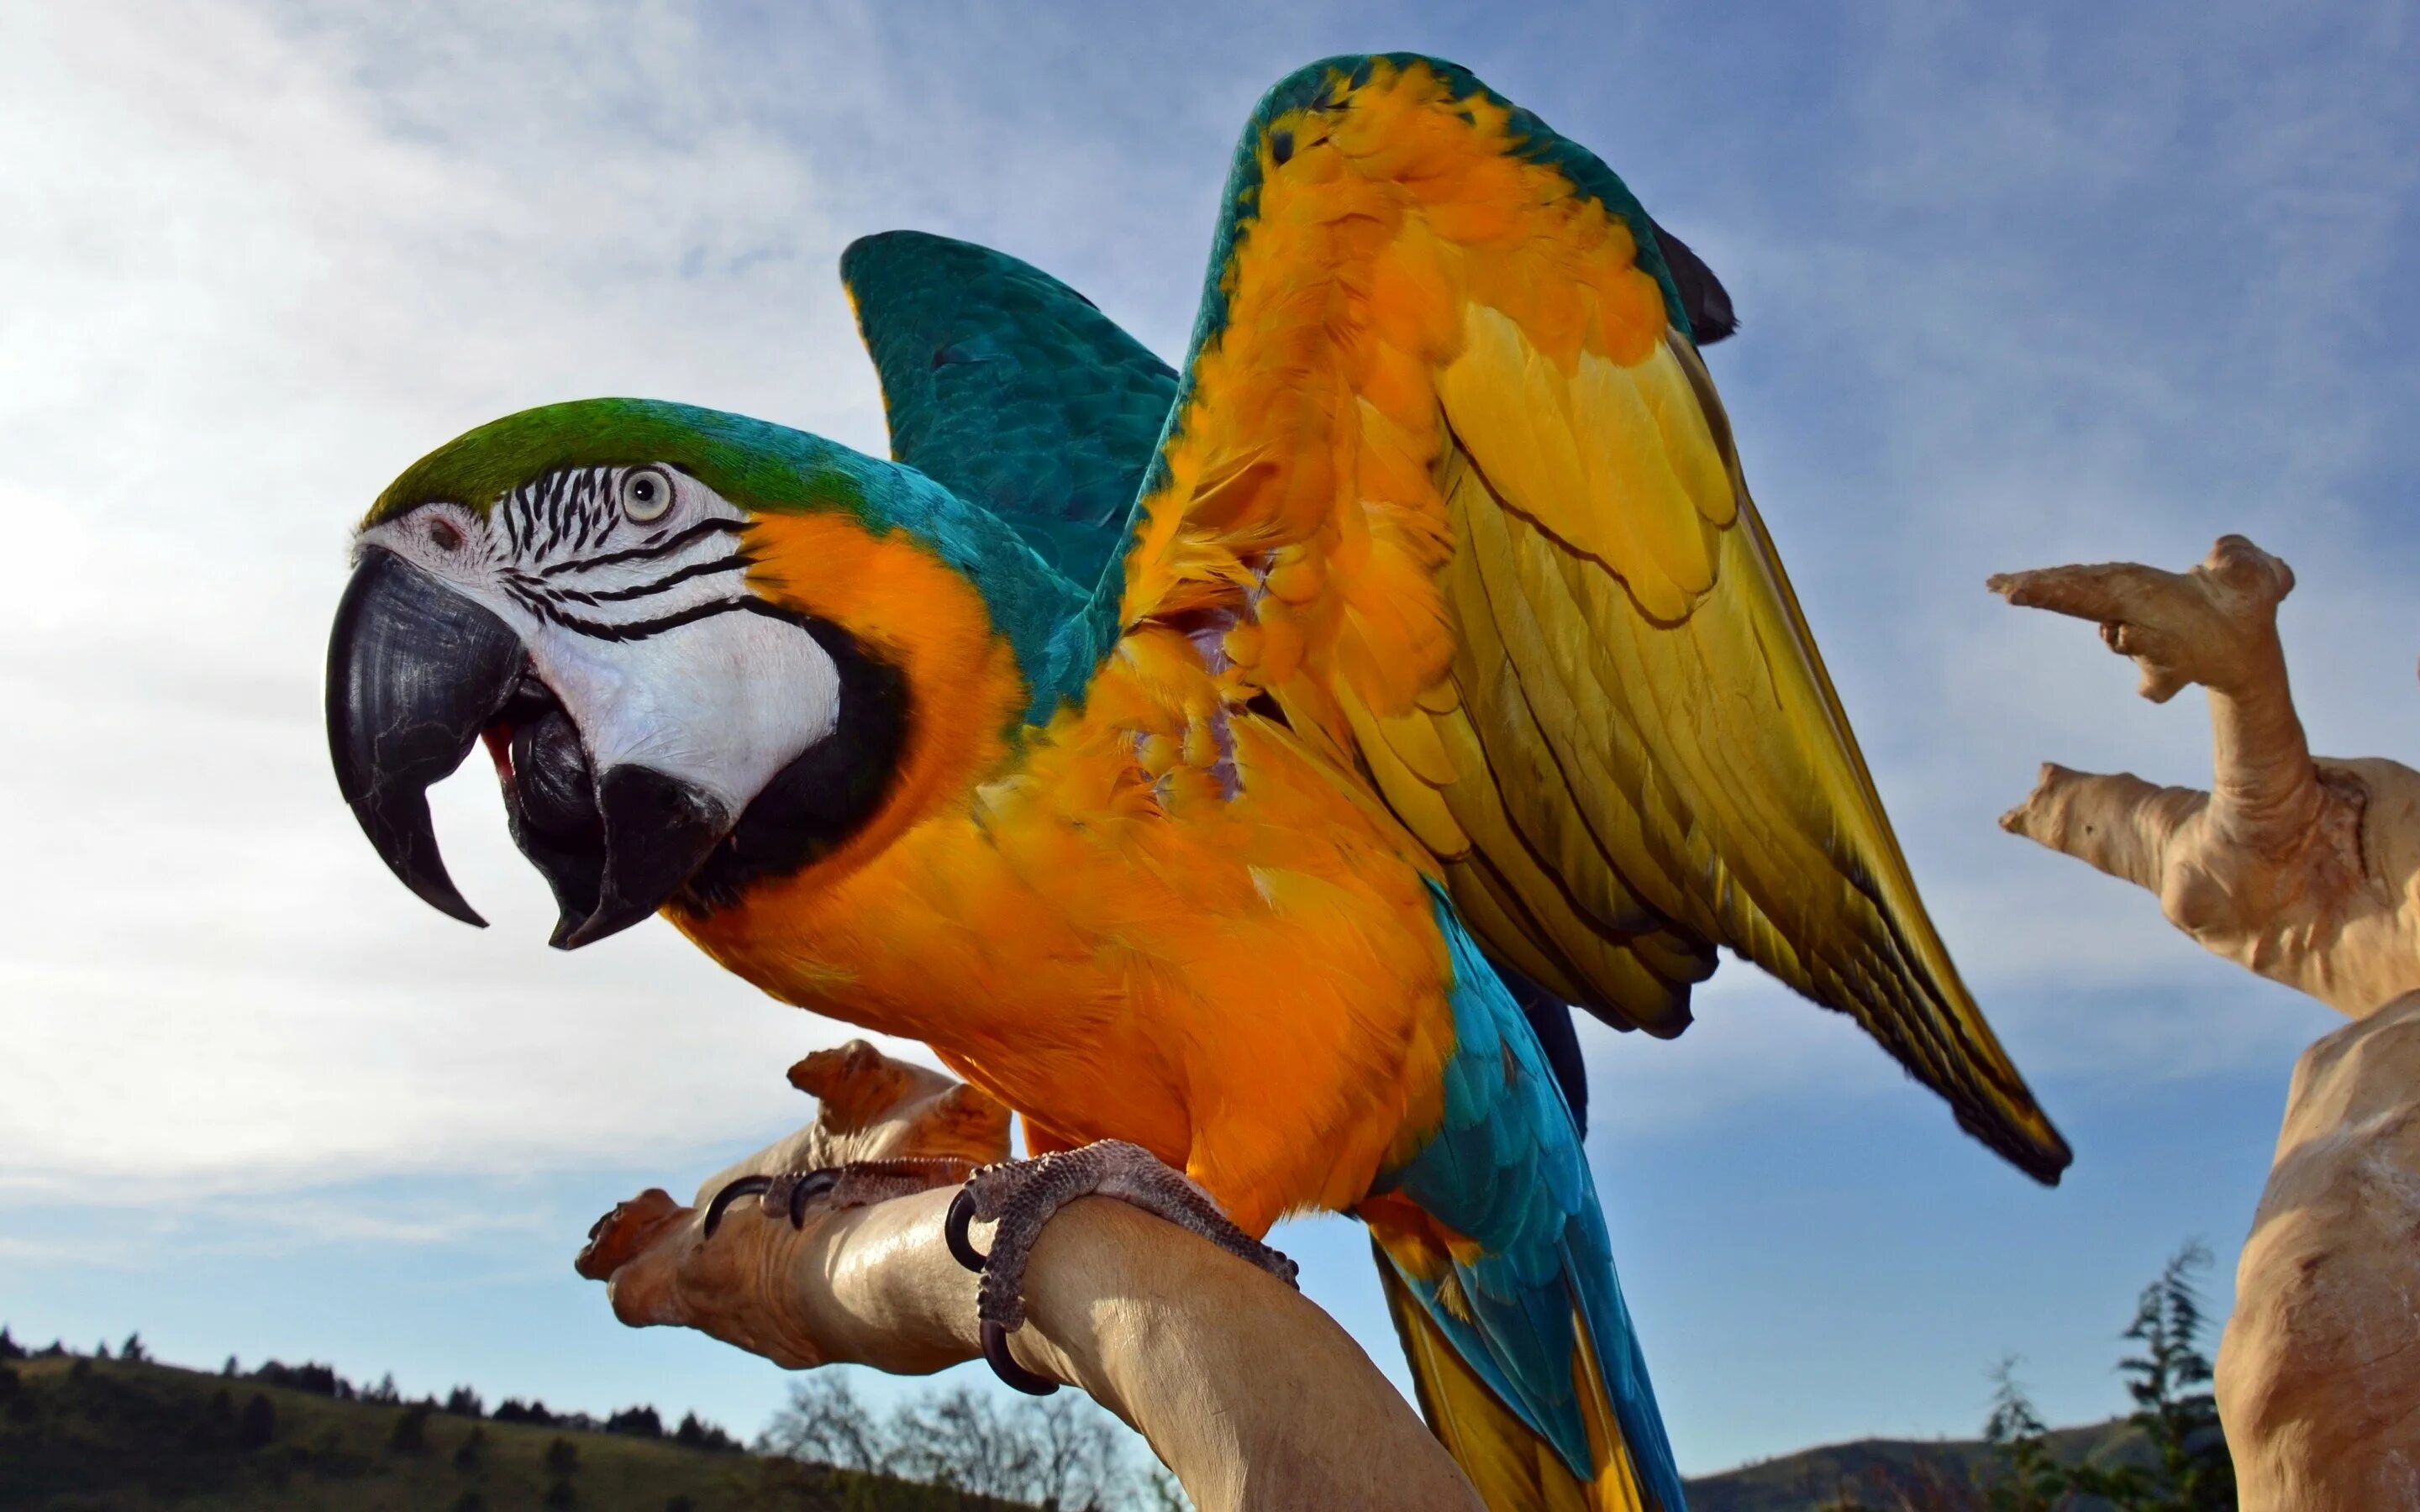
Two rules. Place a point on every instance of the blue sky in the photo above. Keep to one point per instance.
(2073, 283)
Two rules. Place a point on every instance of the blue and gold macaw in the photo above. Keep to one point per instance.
(1247, 762)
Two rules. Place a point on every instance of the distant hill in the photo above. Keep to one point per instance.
(84, 1435)
(1923, 1476)
(104, 1435)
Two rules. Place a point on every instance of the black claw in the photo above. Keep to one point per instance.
(953, 1229)
(1003, 1365)
(805, 1190)
(747, 1186)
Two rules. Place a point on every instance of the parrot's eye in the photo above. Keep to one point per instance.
(646, 493)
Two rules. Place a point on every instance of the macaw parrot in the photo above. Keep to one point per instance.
(1247, 762)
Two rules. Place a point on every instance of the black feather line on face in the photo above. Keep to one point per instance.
(645, 629)
(643, 554)
(830, 793)
(558, 511)
(737, 561)
(585, 510)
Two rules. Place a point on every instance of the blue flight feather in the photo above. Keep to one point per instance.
(1505, 1170)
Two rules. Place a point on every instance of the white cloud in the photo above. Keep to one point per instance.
(257, 287)
(288, 252)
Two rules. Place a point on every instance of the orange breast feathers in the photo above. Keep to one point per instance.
(1149, 922)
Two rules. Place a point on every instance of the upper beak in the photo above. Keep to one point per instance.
(415, 672)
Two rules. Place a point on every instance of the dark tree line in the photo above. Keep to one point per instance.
(319, 1380)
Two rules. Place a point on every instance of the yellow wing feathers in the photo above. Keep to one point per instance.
(1465, 505)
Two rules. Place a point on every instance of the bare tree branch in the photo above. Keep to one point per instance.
(2301, 868)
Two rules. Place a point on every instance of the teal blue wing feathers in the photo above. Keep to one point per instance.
(1505, 1170)
(1011, 389)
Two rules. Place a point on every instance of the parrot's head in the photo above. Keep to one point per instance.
(695, 646)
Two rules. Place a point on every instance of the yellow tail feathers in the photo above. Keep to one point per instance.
(1513, 1468)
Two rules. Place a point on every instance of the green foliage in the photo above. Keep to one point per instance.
(639, 1421)
(561, 1458)
(147, 1435)
(2031, 1479)
(259, 1424)
(410, 1433)
(2168, 1377)
(697, 1433)
(2171, 1382)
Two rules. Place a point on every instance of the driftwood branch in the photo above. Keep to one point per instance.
(2300, 868)
(1253, 1397)
(2303, 870)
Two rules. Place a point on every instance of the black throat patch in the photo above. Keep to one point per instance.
(825, 796)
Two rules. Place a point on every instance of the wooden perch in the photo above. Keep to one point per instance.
(2301, 868)
(1253, 1397)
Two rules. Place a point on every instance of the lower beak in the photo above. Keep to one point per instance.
(659, 830)
(415, 672)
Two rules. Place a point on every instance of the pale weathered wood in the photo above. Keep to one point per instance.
(2304, 870)
(1253, 1397)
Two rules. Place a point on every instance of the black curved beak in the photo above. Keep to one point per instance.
(611, 850)
(415, 672)
(658, 831)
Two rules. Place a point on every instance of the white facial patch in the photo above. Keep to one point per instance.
(723, 702)
(627, 587)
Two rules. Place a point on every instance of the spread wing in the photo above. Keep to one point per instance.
(1010, 389)
(1448, 483)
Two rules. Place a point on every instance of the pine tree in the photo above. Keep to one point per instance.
(2171, 1387)
(2169, 1380)
(410, 1433)
(259, 1424)
(2031, 1480)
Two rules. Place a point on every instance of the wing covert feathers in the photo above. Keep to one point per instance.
(1446, 481)
(1009, 389)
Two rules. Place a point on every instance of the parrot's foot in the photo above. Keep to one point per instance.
(1020, 1197)
(795, 1195)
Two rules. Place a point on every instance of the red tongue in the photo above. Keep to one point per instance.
(499, 738)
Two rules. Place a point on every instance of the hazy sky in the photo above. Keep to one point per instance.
(2020, 286)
